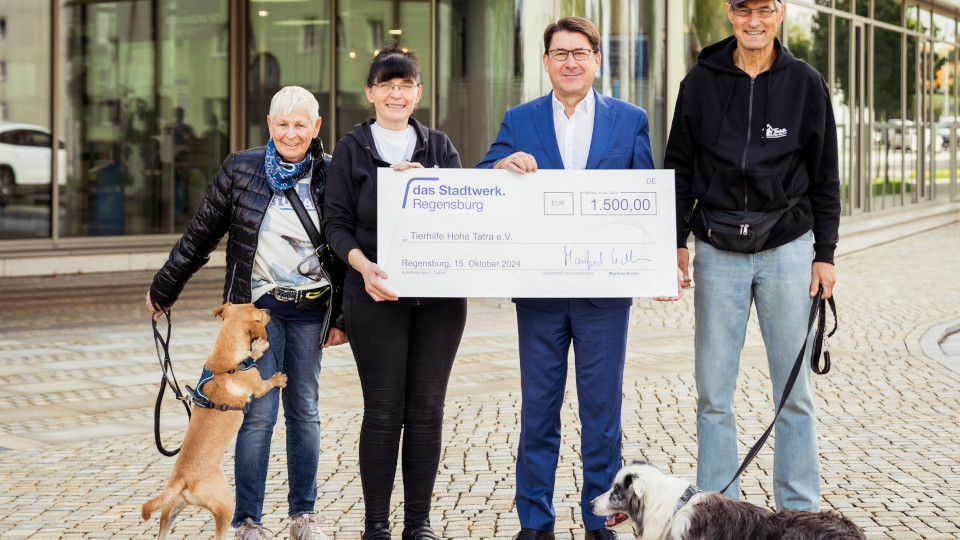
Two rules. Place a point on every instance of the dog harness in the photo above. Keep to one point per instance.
(202, 400)
(687, 495)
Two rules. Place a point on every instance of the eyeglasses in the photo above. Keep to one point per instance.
(762, 12)
(578, 54)
(387, 88)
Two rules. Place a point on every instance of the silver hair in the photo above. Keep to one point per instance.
(294, 98)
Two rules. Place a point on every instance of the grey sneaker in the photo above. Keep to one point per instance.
(248, 530)
(307, 527)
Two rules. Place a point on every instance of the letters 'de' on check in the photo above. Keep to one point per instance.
(552, 233)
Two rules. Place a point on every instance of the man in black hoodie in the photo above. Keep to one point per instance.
(754, 136)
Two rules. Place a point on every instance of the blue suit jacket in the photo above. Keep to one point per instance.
(621, 140)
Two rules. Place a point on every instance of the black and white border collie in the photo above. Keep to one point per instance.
(666, 507)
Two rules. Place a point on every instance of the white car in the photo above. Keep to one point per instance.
(945, 126)
(906, 137)
(25, 159)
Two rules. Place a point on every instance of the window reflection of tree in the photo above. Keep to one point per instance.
(886, 51)
(708, 24)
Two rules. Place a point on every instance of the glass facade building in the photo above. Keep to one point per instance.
(115, 114)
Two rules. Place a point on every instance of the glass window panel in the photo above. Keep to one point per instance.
(193, 105)
(944, 120)
(26, 153)
(863, 7)
(706, 22)
(473, 36)
(632, 61)
(808, 33)
(926, 132)
(910, 191)
(844, 98)
(888, 129)
(289, 45)
(944, 27)
(843, 5)
(145, 112)
(919, 19)
(363, 27)
(888, 11)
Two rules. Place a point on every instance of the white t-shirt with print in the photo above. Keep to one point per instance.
(285, 256)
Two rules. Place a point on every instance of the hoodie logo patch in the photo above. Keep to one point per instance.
(776, 133)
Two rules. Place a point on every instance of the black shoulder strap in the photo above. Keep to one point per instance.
(316, 237)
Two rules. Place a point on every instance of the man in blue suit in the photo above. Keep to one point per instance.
(573, 127)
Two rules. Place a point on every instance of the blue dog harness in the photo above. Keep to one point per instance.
(202, 400)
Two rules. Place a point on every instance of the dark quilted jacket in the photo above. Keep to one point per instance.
(235, 203)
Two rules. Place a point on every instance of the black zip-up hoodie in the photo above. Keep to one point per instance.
(350, 205)
(742, 143)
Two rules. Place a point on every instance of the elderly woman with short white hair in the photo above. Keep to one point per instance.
(272, 262)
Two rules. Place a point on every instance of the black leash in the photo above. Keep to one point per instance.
(168, 380)
(817, 313)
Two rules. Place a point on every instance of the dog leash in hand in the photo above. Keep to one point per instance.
(817, 314)
(168, 380)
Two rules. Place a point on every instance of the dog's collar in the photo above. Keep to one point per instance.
(685, 498)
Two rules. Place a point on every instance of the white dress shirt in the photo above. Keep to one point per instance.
(575, 133)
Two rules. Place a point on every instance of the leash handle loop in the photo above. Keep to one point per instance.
(169, 379)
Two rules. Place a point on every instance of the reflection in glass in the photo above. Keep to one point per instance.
(845, 107)
(632, 60)
(944, 27)
(943, 121)
(144, 113)
(888, 11)
(890, 135)
(26, 144)
(706, 23)
(484, 49)
(911, 157)
(863, 7)
(363, 27)
(808, 34)
(289, 45)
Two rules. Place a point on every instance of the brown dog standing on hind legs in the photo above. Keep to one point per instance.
(228, 385)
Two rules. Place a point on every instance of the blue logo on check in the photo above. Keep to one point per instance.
(418, 189)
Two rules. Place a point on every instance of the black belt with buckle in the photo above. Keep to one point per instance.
(287, 294)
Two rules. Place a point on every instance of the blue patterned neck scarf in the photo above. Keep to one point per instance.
(282, 175)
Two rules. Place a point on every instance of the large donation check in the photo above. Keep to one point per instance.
(552, 233)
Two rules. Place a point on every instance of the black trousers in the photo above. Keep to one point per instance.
(404, 352)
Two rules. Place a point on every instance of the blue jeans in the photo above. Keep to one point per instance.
(295, 350)
(778, 281)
